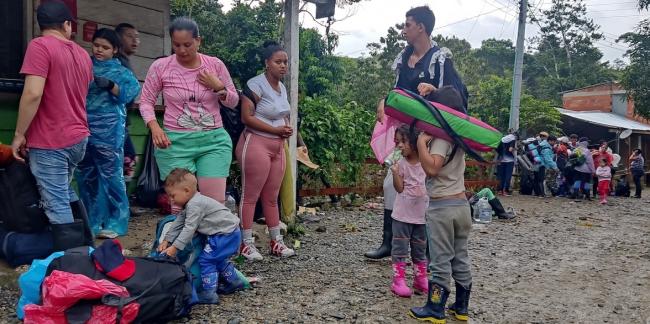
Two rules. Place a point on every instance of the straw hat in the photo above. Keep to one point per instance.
(303, 157)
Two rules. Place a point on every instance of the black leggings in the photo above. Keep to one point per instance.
(637, 182)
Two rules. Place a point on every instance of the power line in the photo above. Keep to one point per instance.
(612, 47)
(475, 21)
(507, 10)
(503, 25)
(466, 19)
(610, 10)
(628, 16)
(609, 3)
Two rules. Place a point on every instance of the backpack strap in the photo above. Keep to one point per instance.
(452, 155)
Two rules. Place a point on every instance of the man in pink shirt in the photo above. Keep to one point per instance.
(52, 130)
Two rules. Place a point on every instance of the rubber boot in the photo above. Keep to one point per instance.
(387, 240)
(420, 280)
(208, 293)
(459, 308)
(434, 310)
(229, 281)
(208, 296)
(79, 212)
(499, 210)
(399, 287)
(67, 236)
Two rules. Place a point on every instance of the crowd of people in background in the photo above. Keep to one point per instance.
(567, 166)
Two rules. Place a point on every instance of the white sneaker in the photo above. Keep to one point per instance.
(250, 252)
(280, 249)
(106, 234)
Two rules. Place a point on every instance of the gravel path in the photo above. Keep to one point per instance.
(558, 262)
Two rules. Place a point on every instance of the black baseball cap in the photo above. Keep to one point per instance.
(53, 12)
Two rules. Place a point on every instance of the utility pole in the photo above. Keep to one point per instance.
(519, 65)
(291, 30)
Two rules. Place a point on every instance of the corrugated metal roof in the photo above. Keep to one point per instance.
(610, 120)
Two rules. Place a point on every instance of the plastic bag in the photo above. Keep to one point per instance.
(62, 290)
(149, 183)
(383, 138)
(231, 119)
(102, 188)
(30, 283)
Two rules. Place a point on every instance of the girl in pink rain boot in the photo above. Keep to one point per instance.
(409, 227)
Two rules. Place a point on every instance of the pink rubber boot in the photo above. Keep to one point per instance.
(420, 280)
(399, 286)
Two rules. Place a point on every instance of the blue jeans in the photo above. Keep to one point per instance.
(53, 170)
(504, 173)
(215, 256)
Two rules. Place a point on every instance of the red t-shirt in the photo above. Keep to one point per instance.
(61, 117)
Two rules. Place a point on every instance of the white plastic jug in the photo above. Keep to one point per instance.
(483, 211)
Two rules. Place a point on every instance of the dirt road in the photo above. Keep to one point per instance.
(558, 262)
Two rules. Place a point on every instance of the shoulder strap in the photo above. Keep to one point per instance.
(452, 155)
(453, 150)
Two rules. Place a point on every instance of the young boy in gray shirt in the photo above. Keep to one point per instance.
(208, 217)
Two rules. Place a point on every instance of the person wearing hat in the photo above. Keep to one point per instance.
(52, 127)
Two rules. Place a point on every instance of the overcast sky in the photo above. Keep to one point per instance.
(474, 20)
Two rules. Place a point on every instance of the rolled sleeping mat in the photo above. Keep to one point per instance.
(475, 133)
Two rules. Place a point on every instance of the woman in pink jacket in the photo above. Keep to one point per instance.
(194, 87)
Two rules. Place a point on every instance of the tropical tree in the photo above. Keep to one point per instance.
(492, 105)
(636, 77)
(565, 50)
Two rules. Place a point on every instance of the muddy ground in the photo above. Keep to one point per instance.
(558, 262)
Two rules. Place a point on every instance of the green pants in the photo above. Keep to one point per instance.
(206, 153)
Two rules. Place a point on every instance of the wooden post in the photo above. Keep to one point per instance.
(291, 33)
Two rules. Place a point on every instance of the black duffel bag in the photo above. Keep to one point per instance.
(20, 209)
(163, 287)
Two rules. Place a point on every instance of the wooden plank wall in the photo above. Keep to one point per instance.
(150, 17)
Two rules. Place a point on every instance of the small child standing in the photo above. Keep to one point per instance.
(204, 215)
(604, 173)
(409, 227)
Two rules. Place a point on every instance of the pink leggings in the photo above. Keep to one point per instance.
(262, 163)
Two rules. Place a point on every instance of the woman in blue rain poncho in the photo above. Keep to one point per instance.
(100, 175)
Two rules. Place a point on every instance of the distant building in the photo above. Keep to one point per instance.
(601, 112)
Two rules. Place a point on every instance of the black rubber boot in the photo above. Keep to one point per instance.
(387, 240)
(434, 310)
(79, 212)
(67, 236)
(459, 308)
(499, 210)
